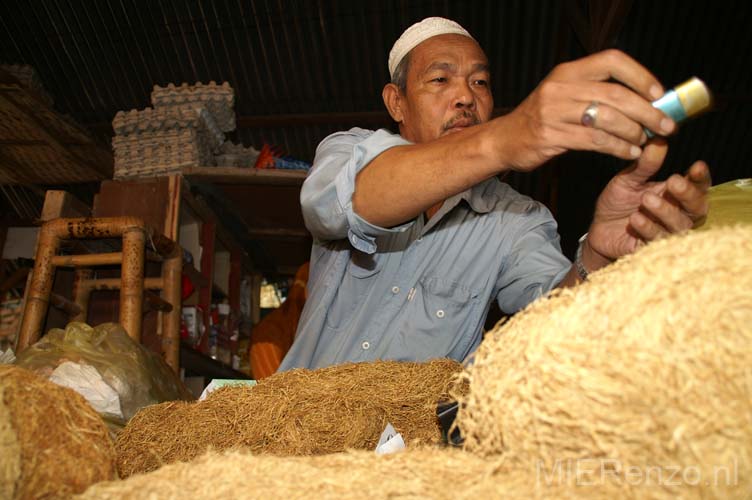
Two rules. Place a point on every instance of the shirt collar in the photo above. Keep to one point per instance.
(481, 197)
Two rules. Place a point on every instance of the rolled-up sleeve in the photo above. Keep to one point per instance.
(326, 195)
(535, 264)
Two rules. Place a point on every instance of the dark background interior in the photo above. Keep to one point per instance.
(302, 69)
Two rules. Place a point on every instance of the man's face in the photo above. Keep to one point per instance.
(448, 88)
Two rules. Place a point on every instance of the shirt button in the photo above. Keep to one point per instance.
(440, 313)
(395, 289)
(365, 345)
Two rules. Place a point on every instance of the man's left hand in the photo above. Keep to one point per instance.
(633, 210)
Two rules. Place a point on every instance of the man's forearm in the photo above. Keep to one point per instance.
(405, 181)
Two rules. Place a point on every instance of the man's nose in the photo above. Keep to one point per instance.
(464, 97)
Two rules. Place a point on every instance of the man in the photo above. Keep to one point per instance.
(414, 234)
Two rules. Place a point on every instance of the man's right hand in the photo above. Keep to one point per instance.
(548, 122)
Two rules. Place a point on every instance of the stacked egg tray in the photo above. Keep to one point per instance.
(161, 141)
(219, 100)
(236, 155)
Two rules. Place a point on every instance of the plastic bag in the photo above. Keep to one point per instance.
(730, 204)
(137, 376)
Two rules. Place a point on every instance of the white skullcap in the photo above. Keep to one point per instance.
(420, 32)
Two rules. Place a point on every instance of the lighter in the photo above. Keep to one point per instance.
(688, 99)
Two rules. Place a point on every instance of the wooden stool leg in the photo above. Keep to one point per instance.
(40, 288)
(132, 282)
(172, 269)
(82, 293)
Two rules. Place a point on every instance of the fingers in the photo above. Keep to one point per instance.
(699, 175)
(612, 120)
(649, 159)
(614, 64)
(624, 107)
(619, 113)
(690, 192)
(645, 228)
(649, 162)
(683, 203)
(669, 215)
(594, 139)
(630, 107)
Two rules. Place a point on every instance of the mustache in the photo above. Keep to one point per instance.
(465, 115)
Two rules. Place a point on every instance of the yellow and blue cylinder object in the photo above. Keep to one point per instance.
(688, 99)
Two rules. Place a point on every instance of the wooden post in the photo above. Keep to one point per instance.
(39, 289)
(62, 204)
(171, 275)
(132, 282)
(208, 230)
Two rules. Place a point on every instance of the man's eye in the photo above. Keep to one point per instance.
(482, 83)
(439, 79)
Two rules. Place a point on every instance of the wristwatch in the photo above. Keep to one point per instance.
(581, 271)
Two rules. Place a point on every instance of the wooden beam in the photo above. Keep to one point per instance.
(114, 283)
(70, 308)
(301, 119)
(96, 259)
(361, 118)
(240, 175)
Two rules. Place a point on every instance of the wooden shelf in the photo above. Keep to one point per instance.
(242, 175)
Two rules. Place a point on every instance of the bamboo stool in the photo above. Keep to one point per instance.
(134, 234)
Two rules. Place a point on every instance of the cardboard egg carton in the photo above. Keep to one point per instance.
(149, 120)
(236, 155)
(219, 100)
(160, 152)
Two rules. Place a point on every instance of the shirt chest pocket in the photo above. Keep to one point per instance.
(441, 297)
(357, 283)
(439, 317)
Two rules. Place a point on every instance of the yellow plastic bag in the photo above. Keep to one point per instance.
(729, 203)
(114, 373)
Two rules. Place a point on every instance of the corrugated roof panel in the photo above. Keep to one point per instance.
(324, 56)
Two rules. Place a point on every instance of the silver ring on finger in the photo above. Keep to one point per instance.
(590, 115)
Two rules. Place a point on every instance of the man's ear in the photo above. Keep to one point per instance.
(393, 101)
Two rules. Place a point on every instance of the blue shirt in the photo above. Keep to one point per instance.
(420, 290)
